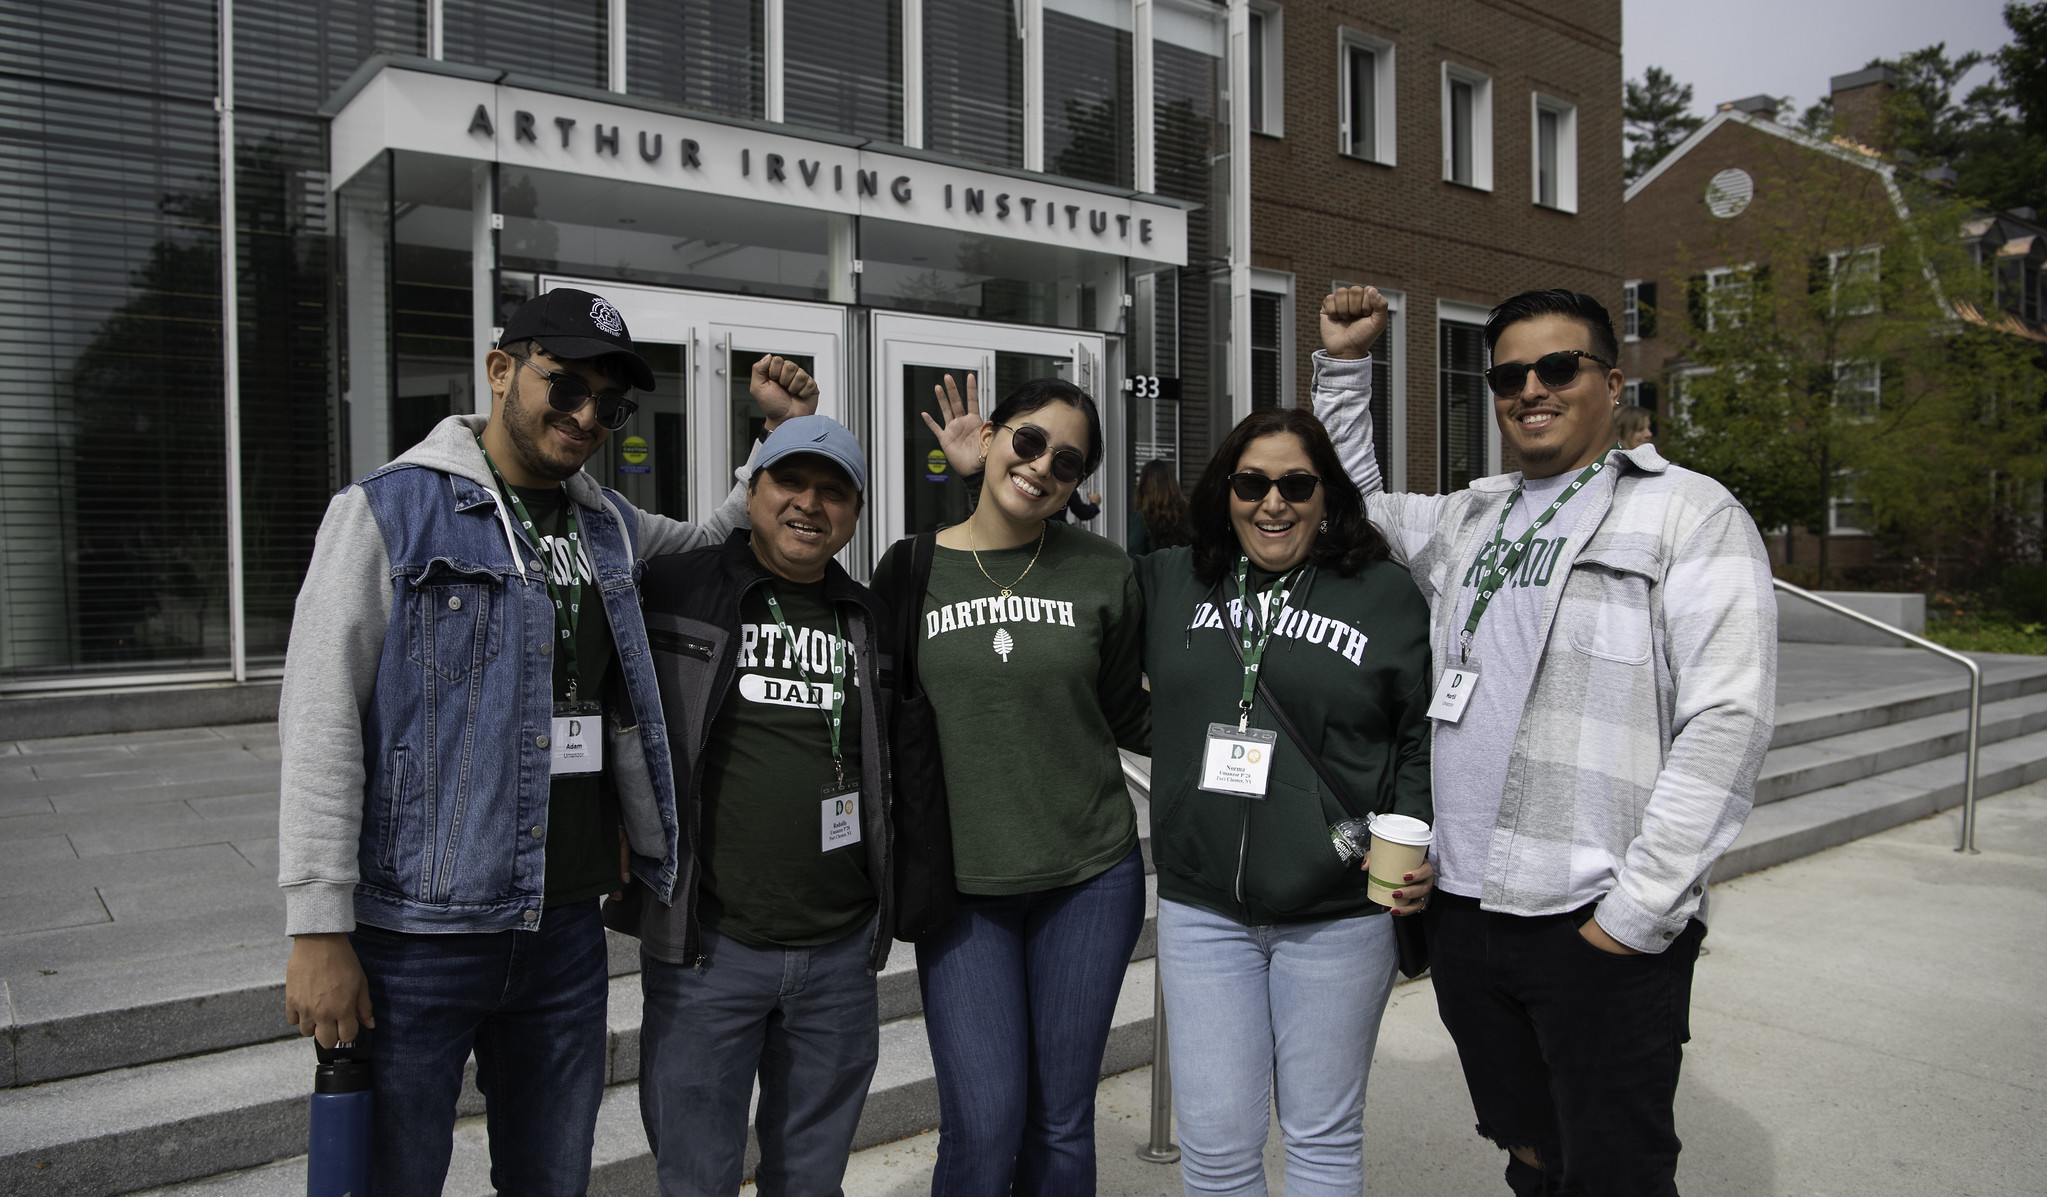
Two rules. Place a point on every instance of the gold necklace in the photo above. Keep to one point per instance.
(984, 569)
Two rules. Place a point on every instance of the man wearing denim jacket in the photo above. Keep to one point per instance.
(1605, 648)
(472, 739)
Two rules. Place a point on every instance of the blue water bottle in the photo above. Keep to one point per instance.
(338, 1154)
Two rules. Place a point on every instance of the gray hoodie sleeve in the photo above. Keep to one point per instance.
(330, 672)
(660, 534)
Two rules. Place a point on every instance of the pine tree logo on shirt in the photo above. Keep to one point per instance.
(1003, 644)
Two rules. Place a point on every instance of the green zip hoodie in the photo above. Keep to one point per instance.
(1350, 663)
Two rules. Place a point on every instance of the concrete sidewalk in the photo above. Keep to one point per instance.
(1870, 1020)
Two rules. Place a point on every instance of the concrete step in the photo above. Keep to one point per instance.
(2004, 677)
(242, 1134)
(1839, 759)
(1812, 822)
(160, 1122)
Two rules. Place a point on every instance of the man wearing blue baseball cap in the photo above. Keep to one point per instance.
(452, 804)
(767, 655)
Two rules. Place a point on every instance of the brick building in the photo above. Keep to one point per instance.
(1451, 155)
(1745, 199)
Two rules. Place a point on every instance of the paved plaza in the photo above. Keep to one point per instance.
(1869, 1021)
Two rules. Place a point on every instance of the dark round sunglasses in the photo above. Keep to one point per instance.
(1552, 370)
(1030, 442)
(567, 394)
(1294, 488)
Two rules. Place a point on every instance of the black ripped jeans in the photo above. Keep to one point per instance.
(1568, 1050)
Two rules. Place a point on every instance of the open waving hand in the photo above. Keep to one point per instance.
(960, 435)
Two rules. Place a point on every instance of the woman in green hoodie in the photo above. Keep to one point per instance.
(1275, 963)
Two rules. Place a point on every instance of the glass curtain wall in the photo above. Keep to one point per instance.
(1088, 90)
(973, 80)
(113, 524)
(1189, 75)
(554, 39)
(843, 66)
(702, 54)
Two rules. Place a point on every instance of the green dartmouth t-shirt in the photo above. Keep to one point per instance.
(582, 809)
(767, 879)
(1033, 694)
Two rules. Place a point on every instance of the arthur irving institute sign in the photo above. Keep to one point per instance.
(481, 120)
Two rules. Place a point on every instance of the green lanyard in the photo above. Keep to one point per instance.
(568, 609)
(1504, 564)
(838, 674)
(1254, 641)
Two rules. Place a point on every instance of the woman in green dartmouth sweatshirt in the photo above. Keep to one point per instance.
(1274, 962)
(1029, 649)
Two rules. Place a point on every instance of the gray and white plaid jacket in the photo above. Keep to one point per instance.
(1652, 705)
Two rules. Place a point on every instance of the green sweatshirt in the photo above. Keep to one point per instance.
(1350, 663)
(1033, 696)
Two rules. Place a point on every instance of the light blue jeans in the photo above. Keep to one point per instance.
(1289, 1010)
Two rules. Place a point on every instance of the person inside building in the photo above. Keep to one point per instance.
(451, 804)
(1634, 426)
(1030, 660)
(1605, 649)
(1276, 963)
(1158, 519)
(763, 965)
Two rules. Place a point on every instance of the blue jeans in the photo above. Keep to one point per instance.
(1019, 991)
(1291, 1009)
(531, 1005)
(805, 1020)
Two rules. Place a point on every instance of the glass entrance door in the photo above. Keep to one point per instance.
(912, 354)
(678, 453)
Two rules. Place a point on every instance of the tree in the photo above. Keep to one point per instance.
(1828, 375)
(1004, 644)
(1995, 137)
(1657, 112)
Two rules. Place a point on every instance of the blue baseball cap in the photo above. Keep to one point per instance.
(821, 435)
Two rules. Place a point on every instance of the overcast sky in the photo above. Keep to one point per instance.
(1729, 49)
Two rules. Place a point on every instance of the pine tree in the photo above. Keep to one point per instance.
(1003, 644)
(1658, 115)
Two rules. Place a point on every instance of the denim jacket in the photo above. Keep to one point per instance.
(418, 700)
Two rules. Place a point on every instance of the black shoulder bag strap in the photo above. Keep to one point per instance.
(924, 880)
(1409, 937)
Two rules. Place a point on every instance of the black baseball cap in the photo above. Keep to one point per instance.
(577, 326)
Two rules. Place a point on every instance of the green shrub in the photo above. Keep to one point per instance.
(2024, 592)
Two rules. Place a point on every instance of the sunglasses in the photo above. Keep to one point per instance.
(567, 394)
(1552, 370)
(1030, 442)
(1294, 488)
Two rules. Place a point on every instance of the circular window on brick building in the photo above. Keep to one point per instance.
(1728, 192)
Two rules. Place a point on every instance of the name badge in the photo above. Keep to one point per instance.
(578, 740)
(839, 818)
(1453, 692)
(1237, 762)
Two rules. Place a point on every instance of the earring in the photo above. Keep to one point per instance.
(1323, 526)
(984, 461)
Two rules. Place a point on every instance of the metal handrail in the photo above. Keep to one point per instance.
(1968, 838)
(1159, 1149)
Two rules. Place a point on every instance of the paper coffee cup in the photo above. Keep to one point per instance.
(1399, 845)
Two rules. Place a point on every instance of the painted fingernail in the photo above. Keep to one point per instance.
(1407, 876)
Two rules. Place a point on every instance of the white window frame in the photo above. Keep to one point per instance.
(1385, 56)
(1567, 151)
(1456, 312)
(1713, 284)
(1840, 264)
(1481, 126)
(1836, 502)
(1272, 67)
(1281, 283)
(1861, 370)
(1631, 310)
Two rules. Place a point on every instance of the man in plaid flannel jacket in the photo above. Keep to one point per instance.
(1622, 675)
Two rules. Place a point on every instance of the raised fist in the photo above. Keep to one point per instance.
(783, 389)
(1352, 319)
